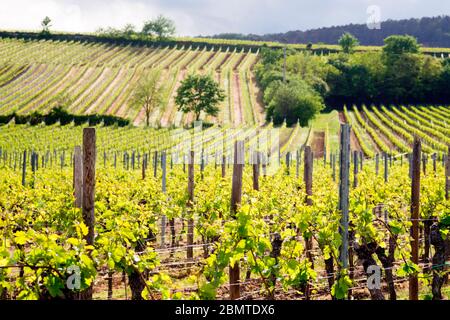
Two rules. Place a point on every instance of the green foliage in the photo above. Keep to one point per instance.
(162, 28)
(148, 94)
(348, 43)
(60, 114)
(293, 102)
(397, 45)
(199, 93)
(46, 24)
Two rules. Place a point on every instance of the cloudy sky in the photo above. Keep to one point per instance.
(195, 17)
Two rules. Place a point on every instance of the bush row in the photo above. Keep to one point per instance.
(60, 115)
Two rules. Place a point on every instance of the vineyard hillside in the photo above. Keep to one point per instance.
(100, 78)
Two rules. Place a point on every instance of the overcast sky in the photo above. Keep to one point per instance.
(195, 17)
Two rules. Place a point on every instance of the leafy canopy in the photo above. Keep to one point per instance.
(348, 42)
(161, 27)
(46, 24)
(294, 101)
(148, 94)
(397, 44)
(199, 93)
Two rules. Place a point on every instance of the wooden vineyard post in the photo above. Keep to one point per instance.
(447, 175)
(78, 177)
(297, 163)
(89, 154)
(361, 160)
(24, 168)
(143, 167)
(344, 186)
(386, 168)
(288, 163)
(163, 187)
(355, 169)
(308, 178)
(155, 165)
(333, 164)
(236, 196)
(424, 164)
(307, 174)
(190, 234)
(224, 164)
(434, 157)
(377, 164)
(415, 208)
(410, 165)
(202, 165)
(256, 161)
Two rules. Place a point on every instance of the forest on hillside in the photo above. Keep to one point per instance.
(430, 32)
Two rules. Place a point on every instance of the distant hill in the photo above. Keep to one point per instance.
(431, 32)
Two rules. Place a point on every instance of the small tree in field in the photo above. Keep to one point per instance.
(46, 24)
(148, 94)
(199, 93)
(348, 42)
(161, 27)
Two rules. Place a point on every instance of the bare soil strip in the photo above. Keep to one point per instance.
(85, 95)
(388, 142)
(211, 56)
(259, 104)
(56, 89)
(114, 106)
(98, 102)
(318, 143)
(26, 80)
(239, 61)
(354, 143)
(191, 60)
(171, 108)
(19, 74)
(224, 60)
(238, 111)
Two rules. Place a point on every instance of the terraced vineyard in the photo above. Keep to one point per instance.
(391, 130)
(100, 78)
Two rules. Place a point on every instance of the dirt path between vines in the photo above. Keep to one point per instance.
(354, 143)
(381, 135)
(237, 103)
(75, 107)
(258, 99)
(171, 107)
(318, 143)
(111, 87)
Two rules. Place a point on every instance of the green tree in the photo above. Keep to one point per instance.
(148, 94)
(403, 64)
(199, 93)
(350, 82)
(46, 24)
(430, 72)
(294, 101)
(161, 27)
(401, 79)
(348, 42)
(396, 45)
(128, 30)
